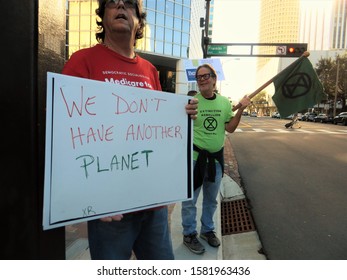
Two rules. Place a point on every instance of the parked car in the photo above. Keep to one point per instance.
(244, 113)
(254, 114)
(341, 118)
(323, 118)
(304, 116)
(310, 117)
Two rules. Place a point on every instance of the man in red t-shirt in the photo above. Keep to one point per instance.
(146, 233)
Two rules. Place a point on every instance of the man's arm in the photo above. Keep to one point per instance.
(234, 122)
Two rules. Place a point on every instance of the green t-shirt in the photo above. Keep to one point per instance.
(209, 127)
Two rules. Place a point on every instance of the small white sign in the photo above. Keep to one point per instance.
(281, 50)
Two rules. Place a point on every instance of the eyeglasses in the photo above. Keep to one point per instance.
(127, 3)
(204, 76)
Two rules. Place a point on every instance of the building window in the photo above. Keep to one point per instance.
(80, 25)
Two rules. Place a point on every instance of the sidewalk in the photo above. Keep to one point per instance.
(240, 246)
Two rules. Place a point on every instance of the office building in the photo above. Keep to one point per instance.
(279, 23)
(339, 25)
(315, 24)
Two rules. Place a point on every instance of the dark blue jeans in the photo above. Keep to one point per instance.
(146, 233)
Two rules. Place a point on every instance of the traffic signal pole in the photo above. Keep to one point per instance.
(205, 40)
(264, 49)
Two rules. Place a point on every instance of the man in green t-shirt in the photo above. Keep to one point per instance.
(215, 116)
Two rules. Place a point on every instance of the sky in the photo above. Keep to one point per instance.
(236, 21)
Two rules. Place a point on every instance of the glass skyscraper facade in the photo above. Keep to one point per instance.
(168, 27)
(80, 25)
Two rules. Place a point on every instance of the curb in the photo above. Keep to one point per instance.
(241, 246)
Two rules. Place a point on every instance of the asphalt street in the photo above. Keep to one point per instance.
(295, 181)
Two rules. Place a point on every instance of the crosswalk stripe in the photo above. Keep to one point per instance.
(306, 131)
(259, 130)
(282, 130)
(327, 131)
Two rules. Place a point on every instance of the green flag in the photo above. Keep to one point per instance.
(297, 87)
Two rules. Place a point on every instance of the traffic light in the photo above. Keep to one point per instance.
(295, 50)
(202, 22)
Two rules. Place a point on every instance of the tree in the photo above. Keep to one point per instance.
(260, 103)
(326, 69)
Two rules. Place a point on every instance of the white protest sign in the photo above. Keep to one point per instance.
(112, 149)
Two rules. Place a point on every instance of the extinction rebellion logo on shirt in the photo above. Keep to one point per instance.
(210, 123)
(211, 116)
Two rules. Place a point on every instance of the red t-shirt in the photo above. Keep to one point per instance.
(102, 64)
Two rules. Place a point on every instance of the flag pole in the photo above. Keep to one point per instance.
(254, 93)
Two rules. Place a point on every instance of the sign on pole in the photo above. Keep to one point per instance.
(113, 149)
(281, 50)
(217, 49)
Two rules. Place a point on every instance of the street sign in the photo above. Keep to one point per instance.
(216, 49)
(281, 50)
